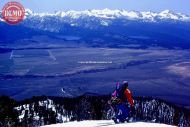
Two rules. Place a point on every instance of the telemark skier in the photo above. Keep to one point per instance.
(123, 102)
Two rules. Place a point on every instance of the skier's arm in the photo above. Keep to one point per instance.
(128, 94)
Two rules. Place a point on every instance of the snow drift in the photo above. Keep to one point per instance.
(106, 123)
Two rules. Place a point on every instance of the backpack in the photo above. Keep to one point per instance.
(119, 92)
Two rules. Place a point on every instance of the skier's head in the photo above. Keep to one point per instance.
(125, 84)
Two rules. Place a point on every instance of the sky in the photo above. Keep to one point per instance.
(137, 5)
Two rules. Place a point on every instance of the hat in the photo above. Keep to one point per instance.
(125, 83)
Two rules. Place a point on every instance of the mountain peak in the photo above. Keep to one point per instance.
(166, 11)
(28, 12)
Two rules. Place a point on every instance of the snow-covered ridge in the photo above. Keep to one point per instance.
(113, 14)
(109, 14)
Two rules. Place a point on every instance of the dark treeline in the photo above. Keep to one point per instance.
(44, 110)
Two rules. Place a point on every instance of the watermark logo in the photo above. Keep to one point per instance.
(13, 13)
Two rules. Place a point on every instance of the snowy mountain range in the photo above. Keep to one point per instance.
(99, 28)
(113, 14)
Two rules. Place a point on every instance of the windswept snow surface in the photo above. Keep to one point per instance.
(107, 123)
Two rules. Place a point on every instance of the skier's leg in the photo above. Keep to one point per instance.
(125, 112)
(118, 114)
(122, 113)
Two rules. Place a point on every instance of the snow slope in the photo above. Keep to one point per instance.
(107, 123)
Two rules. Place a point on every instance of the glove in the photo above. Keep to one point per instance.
(115, 100)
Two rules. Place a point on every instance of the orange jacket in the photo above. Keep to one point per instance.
(129, 97)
